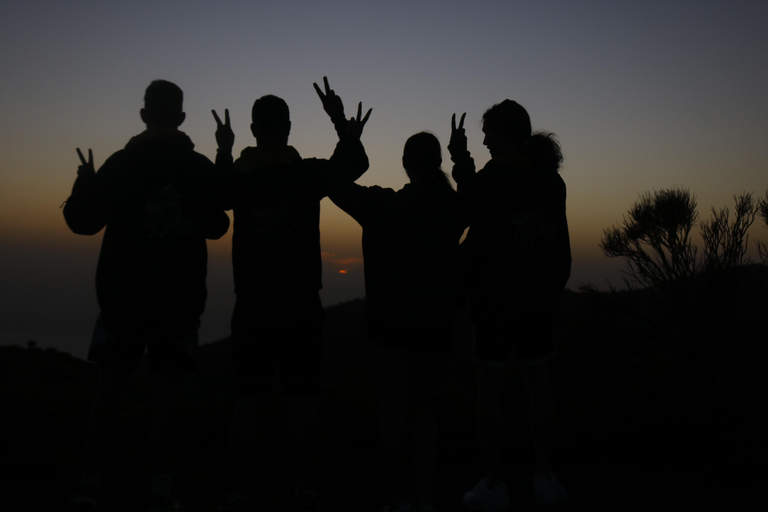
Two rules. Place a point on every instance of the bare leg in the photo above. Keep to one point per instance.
(541, 415)
(303, 418)
(243, 435)
(490, 420)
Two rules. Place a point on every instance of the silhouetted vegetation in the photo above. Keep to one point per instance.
(706, 304)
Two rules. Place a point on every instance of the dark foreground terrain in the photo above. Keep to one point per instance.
(641, 427)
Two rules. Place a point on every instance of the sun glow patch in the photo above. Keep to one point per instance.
(342, 271)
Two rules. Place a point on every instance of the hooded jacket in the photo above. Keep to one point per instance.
(410, 245)
(275, 196)
(154, 199)
(517, 247)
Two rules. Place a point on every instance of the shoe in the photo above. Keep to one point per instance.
(237, 504)
(165, 504)
(488, 500)
(424, 506)
(84, 499)
(305, 501)
(82, 503)
(403, 506)
(548, 490)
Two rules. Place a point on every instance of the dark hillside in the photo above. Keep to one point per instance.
(642, 427)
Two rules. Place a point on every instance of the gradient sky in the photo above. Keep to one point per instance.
(642, 95)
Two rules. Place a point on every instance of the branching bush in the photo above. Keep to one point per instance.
(725, 242)
(762, 211)
(654, 237)
(707, 304)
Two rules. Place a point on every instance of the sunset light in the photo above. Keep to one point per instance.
(641, 95)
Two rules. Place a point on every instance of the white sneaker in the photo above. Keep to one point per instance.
(488, 500)
(403, 506)
(548, 490)
(424, 506)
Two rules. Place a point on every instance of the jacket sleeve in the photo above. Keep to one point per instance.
(554, 251)
(86, 211)
(213, 221)
(464, 175)
(348, 162)
(362, 203)
(226, 186)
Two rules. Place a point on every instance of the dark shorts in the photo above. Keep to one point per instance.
(530, 344)
(277, 333)
(170, 346)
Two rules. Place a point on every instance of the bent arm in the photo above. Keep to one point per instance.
(214, 222)
(349, 160)
(86, 211)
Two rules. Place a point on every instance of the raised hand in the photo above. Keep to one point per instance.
(332, 103)
(355, 125)
(85, 168)
(225, 137)
(457, 146)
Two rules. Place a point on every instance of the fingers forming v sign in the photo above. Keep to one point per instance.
(359, 113)
(461, 123)
(332, 103)
(225, 137)
(86, 167)
(218, 120)
(458, 142)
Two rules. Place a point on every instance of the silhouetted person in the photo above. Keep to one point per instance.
(278, 317)
(154, 199)
(410, 244)
(519, 262)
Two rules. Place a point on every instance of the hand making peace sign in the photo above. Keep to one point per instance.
(457, 146)
(332, 103)
(85, 168)
(225, 137)
(355, 125)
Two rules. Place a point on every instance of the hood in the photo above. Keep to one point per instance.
(168, 138)
(268, 156)
(516, 160)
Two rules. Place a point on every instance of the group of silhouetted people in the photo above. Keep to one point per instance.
(160, 201)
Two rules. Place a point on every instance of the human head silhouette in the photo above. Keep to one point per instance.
(163, 105)
(270, 120)
(507, 126)
(422, 157)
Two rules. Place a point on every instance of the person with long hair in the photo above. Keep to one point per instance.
(519, 259)
(410, 246)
